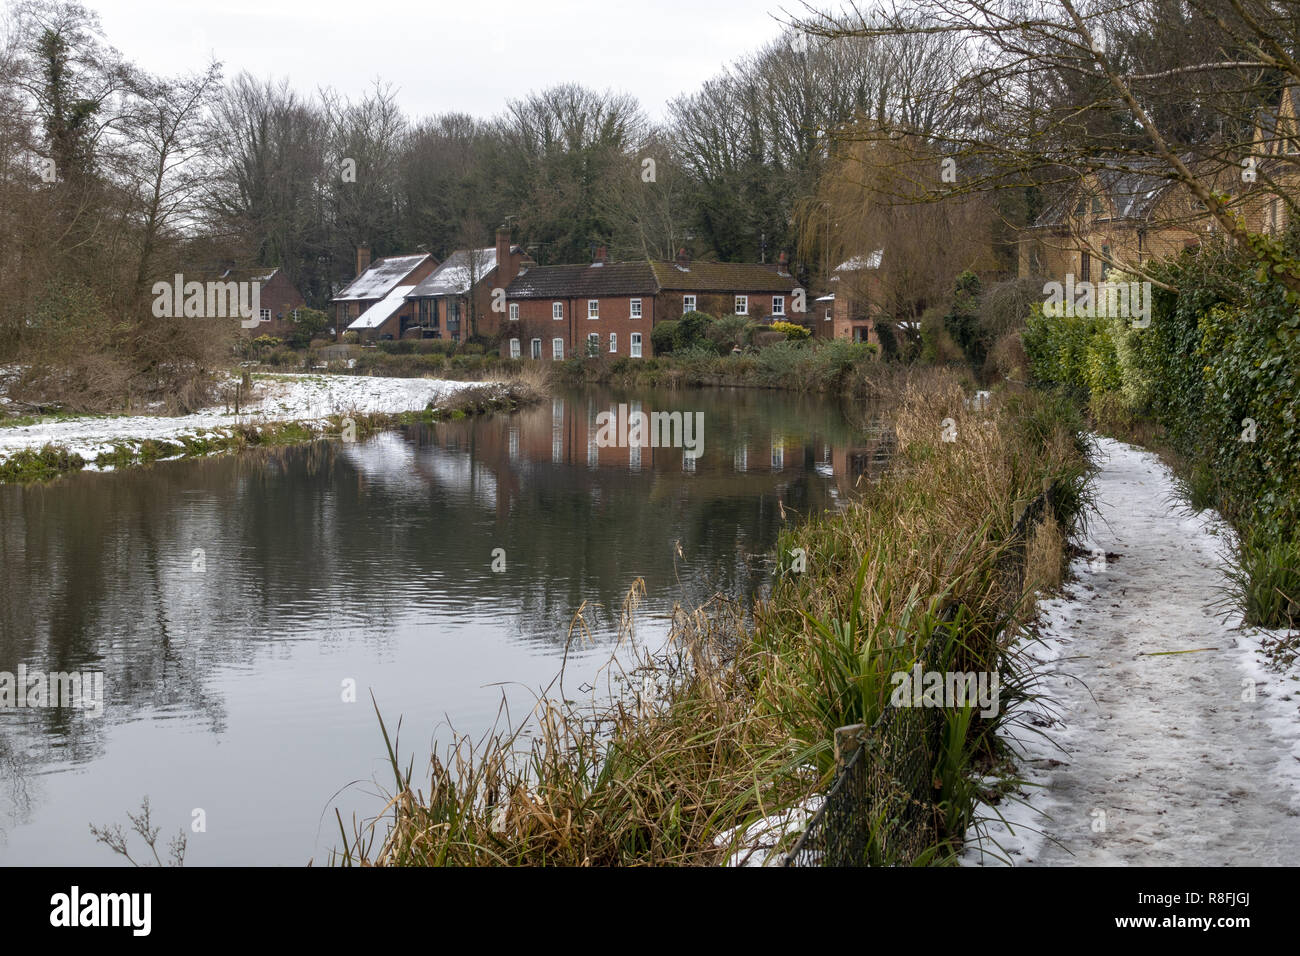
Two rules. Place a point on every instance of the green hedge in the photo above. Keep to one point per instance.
(1222, 350)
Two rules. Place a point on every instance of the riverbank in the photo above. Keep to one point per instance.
(821, 366)
(735, 722)
(1171, 727)
(280, 409)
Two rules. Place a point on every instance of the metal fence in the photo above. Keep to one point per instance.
(880, 807)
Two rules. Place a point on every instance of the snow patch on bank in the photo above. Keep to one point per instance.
(279, 398)
(1152, 756)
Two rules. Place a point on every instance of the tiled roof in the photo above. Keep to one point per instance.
(584, 281)
(453, 276)
(1132, 191)
(381, 278)
(722, 277)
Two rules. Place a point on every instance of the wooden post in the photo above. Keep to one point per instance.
(848, 740)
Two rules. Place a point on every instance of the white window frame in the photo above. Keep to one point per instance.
(688, 304)
(557, 348)
(514, 311)
(535, 348)
(514, 348)
(557, 311)
(778, 305)
(635, 347)
(613, 342)
(829, 314)
(593, 343)
(742, 305)
(593, 308)
(265, 315)
(634, 308)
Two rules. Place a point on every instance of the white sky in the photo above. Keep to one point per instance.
(466, 55)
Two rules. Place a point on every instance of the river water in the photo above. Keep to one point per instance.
(236, 605)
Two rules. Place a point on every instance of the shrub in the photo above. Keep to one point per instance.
(351, 337)
(664, 336)
(693, 329)
(794, 333)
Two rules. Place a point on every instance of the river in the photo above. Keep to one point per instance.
(243, 609)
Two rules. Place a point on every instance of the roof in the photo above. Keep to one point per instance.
(254, 274)
(1133, 191)
(858, 263)
(584, 281)
(383, 310)
(722, 277)
(380, 278)
(453, 276)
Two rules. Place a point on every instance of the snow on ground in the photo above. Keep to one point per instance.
(1154, 758)
(279, 398)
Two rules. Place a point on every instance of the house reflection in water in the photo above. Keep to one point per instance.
(744, 451)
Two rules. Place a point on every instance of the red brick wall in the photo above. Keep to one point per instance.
(718, 304)
(535, 321)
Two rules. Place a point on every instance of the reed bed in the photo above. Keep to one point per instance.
(733, 722)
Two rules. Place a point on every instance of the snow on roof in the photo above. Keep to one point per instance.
(381, 311)
(825, 298)
(861, 262)
(453, 276)
(379, 280)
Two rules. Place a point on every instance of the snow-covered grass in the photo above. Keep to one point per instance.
(1172, 737)
(309, 399)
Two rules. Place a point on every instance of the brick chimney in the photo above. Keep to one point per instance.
(507, 268)
(683, 259)
(363, 259)
(602, 256)
(783, 265)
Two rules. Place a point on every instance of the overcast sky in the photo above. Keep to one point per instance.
(467, 55)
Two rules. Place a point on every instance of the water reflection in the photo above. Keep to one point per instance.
(227, 600)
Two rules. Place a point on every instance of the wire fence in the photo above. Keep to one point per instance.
(880, 808)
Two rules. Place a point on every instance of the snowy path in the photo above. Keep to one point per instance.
(278, 398)
(1154, 760)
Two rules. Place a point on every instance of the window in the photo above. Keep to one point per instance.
(828, 315)
(613, 341)
(514, 311)
(1085, 266)
(593, 344)
(593, 308)
(514, 348)
(688, 304)
(557, 348)
(266, 315)
(1105, 264)
(294, 313)
(1097, 208)
(537, 348)
(742, 305)
(636, 345)
(557, 310)
(778, 305)
(636, 308)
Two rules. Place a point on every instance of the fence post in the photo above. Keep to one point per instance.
(848, 741)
